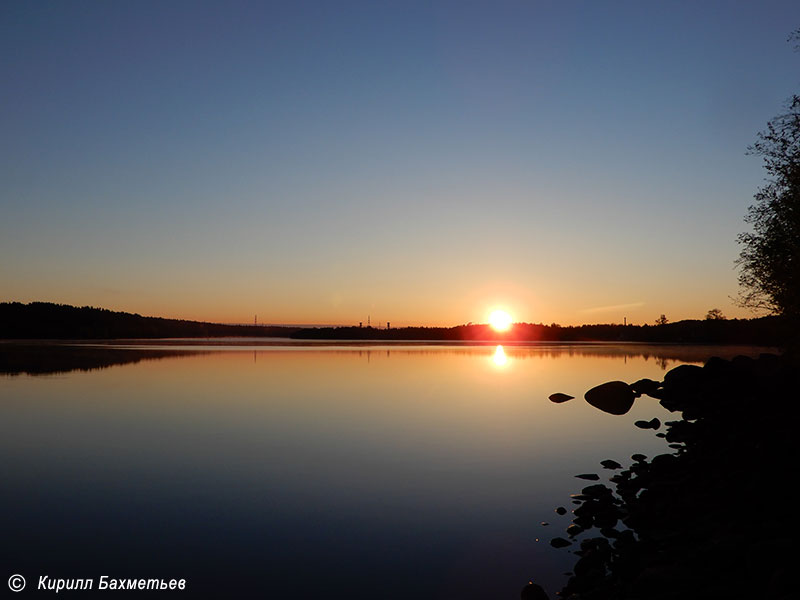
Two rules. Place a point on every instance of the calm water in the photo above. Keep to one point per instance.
(296, 471)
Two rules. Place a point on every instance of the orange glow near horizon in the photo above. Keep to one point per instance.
(402, 309)
(500, 320)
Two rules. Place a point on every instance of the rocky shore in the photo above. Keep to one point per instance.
(712, 518)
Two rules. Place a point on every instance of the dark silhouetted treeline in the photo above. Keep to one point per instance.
(42, 320)
(767, 331)
(45, 320)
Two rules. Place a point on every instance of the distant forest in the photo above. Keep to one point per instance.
(45, 320)
(765, 331)
(42, 320)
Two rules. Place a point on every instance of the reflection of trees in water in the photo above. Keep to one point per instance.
(45, 359)
(663, 355)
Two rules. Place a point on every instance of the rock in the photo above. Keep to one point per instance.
(533, 592)
(561, 510)
(663, 461)
(559, 542)
(587, 510)
(586, 521)
(613, 397)
(595, 491)
(639, 457)
(768, 365)
(683, 375)
(743, 363)
(558, 397)
(610, 464)
(609, 532)
(588, 476)
(716, 365)
(651, 424)
(574, 530)
(645, 386)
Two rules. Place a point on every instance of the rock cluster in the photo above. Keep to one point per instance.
(708, 519)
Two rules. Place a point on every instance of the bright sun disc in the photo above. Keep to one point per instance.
(500, 320)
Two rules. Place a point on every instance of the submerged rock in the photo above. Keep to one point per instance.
(610, 464)
(558, 397)
(588, 476)
(559, 542)
(613, 397)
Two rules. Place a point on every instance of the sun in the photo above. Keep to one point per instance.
(500, 320)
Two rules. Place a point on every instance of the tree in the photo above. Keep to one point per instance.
(715, 314)
(770, 255)
(662, 320)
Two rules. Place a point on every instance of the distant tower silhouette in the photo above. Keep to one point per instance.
(255, 321)
(368, 321)
(388, 325)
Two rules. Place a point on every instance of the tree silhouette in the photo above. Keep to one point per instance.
(715, 314)
(662, 320)
(770, 255)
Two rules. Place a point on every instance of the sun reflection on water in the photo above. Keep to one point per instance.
(499, 357)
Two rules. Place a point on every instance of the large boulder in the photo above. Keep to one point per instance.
(683, 375)
(613, 397)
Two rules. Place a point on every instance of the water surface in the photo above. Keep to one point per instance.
(359, 471)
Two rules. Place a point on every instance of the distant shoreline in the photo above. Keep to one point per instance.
(48, 321)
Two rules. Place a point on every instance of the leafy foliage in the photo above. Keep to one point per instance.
(770, 255)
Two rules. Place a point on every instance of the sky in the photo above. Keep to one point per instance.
(421, 163)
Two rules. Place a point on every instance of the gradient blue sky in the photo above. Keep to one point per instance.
(419, 162)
